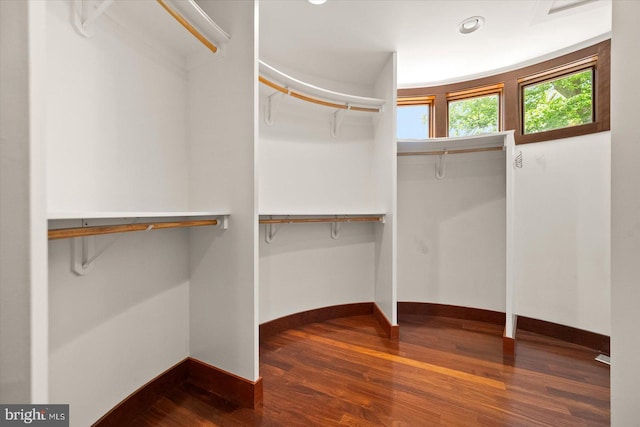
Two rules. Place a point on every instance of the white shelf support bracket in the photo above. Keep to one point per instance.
(335, 230)
(336, 121)
(85, 13)
(441, 165)
(223, 222)
(270, 233)
(272, 107)
(81, 260)
(84, 255)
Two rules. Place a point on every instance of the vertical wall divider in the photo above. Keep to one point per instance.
(511, 163)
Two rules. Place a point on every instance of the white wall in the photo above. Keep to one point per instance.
(451, 232)
(116, 141)
(23, 253)
(562, 220)
(116, 328)
(15, 363)
(304, 170)
(625, 215)
(116, 121)
(384, 171)
(303, 268)
(223, 134)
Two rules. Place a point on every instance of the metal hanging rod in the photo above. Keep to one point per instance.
(65, 233)
(441, 152)
(321, 219)
(314, 100)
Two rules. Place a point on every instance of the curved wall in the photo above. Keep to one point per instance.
(303, 170)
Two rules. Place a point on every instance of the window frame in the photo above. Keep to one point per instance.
(584, 64)
(427, 100)
(512, 100)
(477, 92)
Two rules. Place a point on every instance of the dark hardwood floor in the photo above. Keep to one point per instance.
(442, 372)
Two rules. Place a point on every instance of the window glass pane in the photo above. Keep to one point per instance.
(474, 115)
(563, 102)
(413, 122)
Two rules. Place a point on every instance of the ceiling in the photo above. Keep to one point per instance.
(349, 40)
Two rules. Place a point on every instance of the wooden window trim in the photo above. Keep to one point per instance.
(558, 74)
(477, 92)
(427, 100)
(511, 99)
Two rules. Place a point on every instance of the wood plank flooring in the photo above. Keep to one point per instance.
(442, 372)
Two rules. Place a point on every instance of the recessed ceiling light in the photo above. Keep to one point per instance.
(317, 2)
(470, 25)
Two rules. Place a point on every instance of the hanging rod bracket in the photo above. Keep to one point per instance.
(272, 106)
(81, 251)
(223, 222)
(335, 230)
(270, 233)
(337, 119)
(85, 13)
(441, 164)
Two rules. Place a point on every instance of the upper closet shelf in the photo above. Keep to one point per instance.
(466, 144)
(288, 85)
(186, 12)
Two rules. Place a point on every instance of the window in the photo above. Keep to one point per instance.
(414, 117)
(558, 102)
(474, 111)
(562, 97)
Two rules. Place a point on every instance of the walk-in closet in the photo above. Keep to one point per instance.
(217, 212)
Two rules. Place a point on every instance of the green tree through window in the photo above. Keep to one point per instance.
(473, 116)
(559, 103)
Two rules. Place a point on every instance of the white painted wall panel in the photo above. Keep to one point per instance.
(15, 227)
(303, 268)
(116, 121)
(451, 232)
(384, 171)
(304, 169)
(117, 328)
(223, 133)
(117, 140)
(562, 232)
(625, 215)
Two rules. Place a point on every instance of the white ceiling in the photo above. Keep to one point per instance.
(349, 40)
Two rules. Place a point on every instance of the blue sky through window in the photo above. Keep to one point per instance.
(413, 122)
